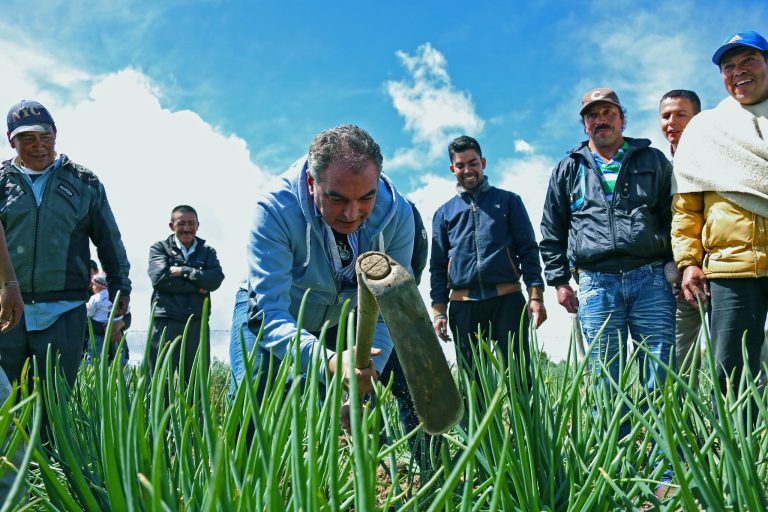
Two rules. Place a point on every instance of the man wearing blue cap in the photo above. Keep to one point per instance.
(50, 208)
(720, 222)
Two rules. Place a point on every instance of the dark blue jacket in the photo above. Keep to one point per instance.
(480, 241)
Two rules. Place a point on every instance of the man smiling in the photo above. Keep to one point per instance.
(482, 247)
(184, 271)
(51, 207)
(309, 228)
(720, 226)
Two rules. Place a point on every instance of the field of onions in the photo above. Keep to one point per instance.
(121, 440)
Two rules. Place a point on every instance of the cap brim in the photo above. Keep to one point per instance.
(728, 47)
(39, 128)
(601, 100)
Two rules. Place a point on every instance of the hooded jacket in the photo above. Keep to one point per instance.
(50, 248)
(579, 225)
(287, 259)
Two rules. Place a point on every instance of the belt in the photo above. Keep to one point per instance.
(501, 289)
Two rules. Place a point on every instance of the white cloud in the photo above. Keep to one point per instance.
(522, 146)
(434, 111)
(149, 159)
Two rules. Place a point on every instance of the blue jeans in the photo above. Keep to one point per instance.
(236, 356)
(639, 301)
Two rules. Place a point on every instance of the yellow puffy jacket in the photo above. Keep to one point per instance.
(715, 234)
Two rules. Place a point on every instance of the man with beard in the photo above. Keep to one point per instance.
(482, 245)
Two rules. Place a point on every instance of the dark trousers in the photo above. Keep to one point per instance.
(498, 319)
(738, 305)
(65, 336)
(174, 328)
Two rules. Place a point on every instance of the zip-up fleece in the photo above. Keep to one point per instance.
(580, 225)
(481, 240)
(287, 259)
(178, 297)
(49, 244)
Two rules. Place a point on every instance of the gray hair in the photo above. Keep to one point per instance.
(347, 144)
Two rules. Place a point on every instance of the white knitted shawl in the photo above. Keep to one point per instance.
(725, 150)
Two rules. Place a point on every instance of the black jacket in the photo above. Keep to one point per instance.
(49, 244)
(580, 227)
(179, 297)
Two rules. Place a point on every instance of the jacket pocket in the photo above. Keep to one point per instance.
(69, 196)
(639, 186)
(511, 259)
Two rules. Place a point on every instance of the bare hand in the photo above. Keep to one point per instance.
(537, 312)
(11, 307)
(117, 331)
(441, 328)
(122, 305)
(695, 284)
(177, 271)
(344, 417)
(365, 376)
(567, 299)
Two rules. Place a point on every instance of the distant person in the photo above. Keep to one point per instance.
(51, 209)
(184, 271)
(99, 308)
(483, 246)
(676, 109)
(720, 224)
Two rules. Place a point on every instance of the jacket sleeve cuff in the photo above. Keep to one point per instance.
(536, 293)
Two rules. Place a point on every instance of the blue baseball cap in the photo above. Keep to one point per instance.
(28, 116)
(750, 39)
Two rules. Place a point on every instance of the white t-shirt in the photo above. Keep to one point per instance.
(99, 306)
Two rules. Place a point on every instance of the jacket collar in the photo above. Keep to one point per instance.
(583, 151)
(482, 187)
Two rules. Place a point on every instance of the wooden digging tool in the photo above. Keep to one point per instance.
(386, 285)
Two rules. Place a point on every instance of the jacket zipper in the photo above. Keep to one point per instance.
(477, 246)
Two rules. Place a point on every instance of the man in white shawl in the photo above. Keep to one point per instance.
(720, 220)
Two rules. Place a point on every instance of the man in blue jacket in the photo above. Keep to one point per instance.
(309, 227)
(482, 244)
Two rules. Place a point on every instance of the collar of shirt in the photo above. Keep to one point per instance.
(344, 275)
(186, 252)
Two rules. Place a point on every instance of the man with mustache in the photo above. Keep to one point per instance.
(608, 213)
(184, 271)
(482, 246)
(720, 223)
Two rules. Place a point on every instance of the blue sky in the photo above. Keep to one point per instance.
(202, 102)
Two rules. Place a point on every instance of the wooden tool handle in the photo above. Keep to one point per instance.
(374, 266)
